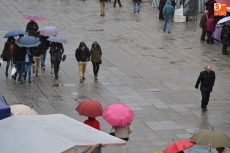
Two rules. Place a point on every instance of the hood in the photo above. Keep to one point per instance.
(82, 44)
(95, 43)
(168, 2)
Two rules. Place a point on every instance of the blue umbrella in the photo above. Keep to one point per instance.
(14, 33)
(4, 108)
(28, 41)
(199, 151)
(226, 19)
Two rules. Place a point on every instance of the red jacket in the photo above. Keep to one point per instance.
(93, 123)
(210, 25)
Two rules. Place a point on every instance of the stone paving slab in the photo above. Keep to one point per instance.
(150, 71)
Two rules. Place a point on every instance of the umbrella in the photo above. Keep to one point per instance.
(57, 39)
(28, 41)
(4, 108)
(226, 19)
(179, 145)
(49, 31)
(118, 115)
(199, 151)
(211, 138)
(14, 33)
(90, 108)
(34, 16)
(20, 109)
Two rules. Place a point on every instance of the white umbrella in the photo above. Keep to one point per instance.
(49, 31)
(57, 39)
(20, 109)
(226, 19)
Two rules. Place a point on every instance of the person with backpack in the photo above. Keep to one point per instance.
(225, 37)
(37, 52)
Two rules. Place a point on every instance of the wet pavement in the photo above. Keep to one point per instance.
(152, 72)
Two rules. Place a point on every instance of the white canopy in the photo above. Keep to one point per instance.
(53, 134)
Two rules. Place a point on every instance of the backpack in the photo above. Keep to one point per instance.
(37, 51)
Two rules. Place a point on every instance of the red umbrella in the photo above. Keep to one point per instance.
(179, 145)
(90, 108)
(34, 16)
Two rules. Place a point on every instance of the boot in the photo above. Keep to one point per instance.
(225, 53)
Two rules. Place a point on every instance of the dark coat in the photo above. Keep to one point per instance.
(6, 51)
(136, 0)
(38, 51)
(203, 21)
(161, 4)
(95, 53)
(56, 51)
(225, 35)
(32, 29)
(44, 41)
(82, 55)
(19, 54)
(207, 81)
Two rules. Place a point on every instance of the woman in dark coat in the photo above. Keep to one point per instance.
(160, 8)
(7, 53)
(95, 53)
(225, 37)
(56, 52)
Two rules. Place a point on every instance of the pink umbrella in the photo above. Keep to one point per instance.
(118, 115)
(49, 31)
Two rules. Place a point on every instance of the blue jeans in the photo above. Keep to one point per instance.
(10, 62)
(28, 66)
(138, 6)
(20, 68)
(43, 57)
(168, 20)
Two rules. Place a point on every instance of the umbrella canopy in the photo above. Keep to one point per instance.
(14, 33)
(20, 109)
(225, 19)
(28, 41)
(34, 16)
(57, 39)
(199, 151)
(4, 108)
(90, 108)
(118, 115)
(49, 31)
(211, 138)
(178, 146)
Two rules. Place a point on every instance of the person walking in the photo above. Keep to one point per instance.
(56, 52)
(123, 132)
(28, 64)
(32, 28)
(138, 4)
(115, 2)
(207, 79)
(82, 55)
(168, 12)
(102, 7)
(91, 121)
(210, 28)
(160, 8)
(225, 37)
(7, 53)
(37, 52)
(203, 22)
(95, 53)
(45, 46)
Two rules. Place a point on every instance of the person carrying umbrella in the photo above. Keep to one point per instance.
(45, 46)
(56, 51)
(225, 37)
(91, 121)
(123, 132)
(32, 28)
(7, 53)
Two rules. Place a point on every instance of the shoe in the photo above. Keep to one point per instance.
(34, 74)
(6, 74)
(203, 110)
(121, 5)
(101, 15)
(37, 74)
(20, 82)
(138, 11)
(114, 5)
(83, 78)
(164, 30)
(43, 67)
(104, 14)
(169, 32)
(29, 81)
(225, 53)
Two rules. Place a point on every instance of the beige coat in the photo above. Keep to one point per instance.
(123, 132)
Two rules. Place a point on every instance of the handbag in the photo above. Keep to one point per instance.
(100, 62)
(63, 58)
(13, 71)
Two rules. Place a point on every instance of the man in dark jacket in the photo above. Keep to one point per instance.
(207, 79)
(82, 56)
(19, 61)
(225, 37)
(45, 46)
(203, 21)
(32, 28)
(37, 52)
(160, 8)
